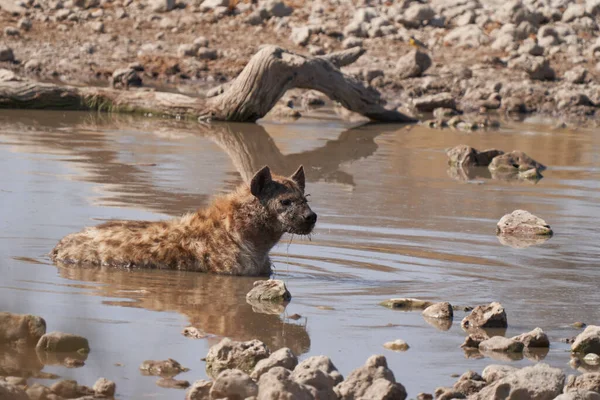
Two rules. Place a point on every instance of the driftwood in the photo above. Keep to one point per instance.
(267, 76)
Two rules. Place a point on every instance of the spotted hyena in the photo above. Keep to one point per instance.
(232, 236)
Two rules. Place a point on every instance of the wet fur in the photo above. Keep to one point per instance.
(233, 236)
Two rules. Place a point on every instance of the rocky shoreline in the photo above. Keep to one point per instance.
(477, 57)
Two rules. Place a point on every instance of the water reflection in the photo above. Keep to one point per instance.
(214, 304)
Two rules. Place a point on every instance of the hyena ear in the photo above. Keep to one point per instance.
(260, 181)
(299, 178)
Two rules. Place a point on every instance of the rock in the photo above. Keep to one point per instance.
(579, 395)
(201, 41)
(324, 364)
(233, 384)
(413, 64)
(534, 339)
(62, 343)
(441, 113)
(97, 26)
(573, 12)
(514, 162)
(466, 36)
(20, 328)
(356, 29)
(205, 53)
(200, 390)
(269, 290)
(406, 304)
(538, 382)
(167, 367)
(187, 50)
(416, 14)
(104, 388)
(161, 5)
(279, 112)
(125, 77)
(278, 9)
(424, 396)
(301, 35)
(443, 393)
(530, 47)
(490, 316)
(439, 324)
(11, 31)
(592, 359)
(495, 372)
(522, 223)
(277, 384)
(396, 345)
(24, 24)
(208, 5)
(579, 325)
(69, 389)
(316, 379)
(363, 382)
(6, 54)
(280, 358)
(11, 392)
(538, 68)
(431, 102)
(587, 341)
(170, 383)
(351, 42)
(566, 99)
(439, 310)
(235, 355)
(577, 75)
(469, 383)
(501, 344)
(33, 65)
(587, 381)
(36, 392)
(473, 340)
(466, 156)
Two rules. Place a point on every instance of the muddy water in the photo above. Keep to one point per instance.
(393, 221)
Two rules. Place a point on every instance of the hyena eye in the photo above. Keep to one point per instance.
(286, 202)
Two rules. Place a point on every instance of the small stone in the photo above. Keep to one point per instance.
(69, 389)
(417, 13)
(578, 325)
(430, 103)
(278, 9)
(162, 5)
(187, 50)
(495, 372)
(351, 42)
(25, 24)
(201, 41)
(538, 68)
(324, 364)
(522, 223)
(489, 316)
(396, 345)
(194, 333)
(365, 382)
(11, 31)
(577, 75)
(587, 341)
(97, 26)
(439, 311)
(269, 290)
(424, 396)
(229, 354)
(104, 388)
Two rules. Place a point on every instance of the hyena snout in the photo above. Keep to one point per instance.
(310, 217)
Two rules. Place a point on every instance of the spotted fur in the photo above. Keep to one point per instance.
(233, 236)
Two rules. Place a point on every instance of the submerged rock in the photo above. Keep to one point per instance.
(69, 389)
(538, 382)
(489, 316)
(372, 381)
(587, 341)
(522, 242)
(514, 162)
(439, 311)
(533, 339)
(435, 101)
(233, 384)
(501, 344)
(167, 367)
(170, 383)
(60, 342)
(21, 328)
(406, 304)
(270, 290)
(466, 156)
(280, 358)
(229, 354)
(194, 333)
(522, 223)
(396, 345)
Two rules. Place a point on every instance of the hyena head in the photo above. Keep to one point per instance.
(284, 199)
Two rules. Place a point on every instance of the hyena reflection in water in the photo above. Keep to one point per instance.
(233, 236)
